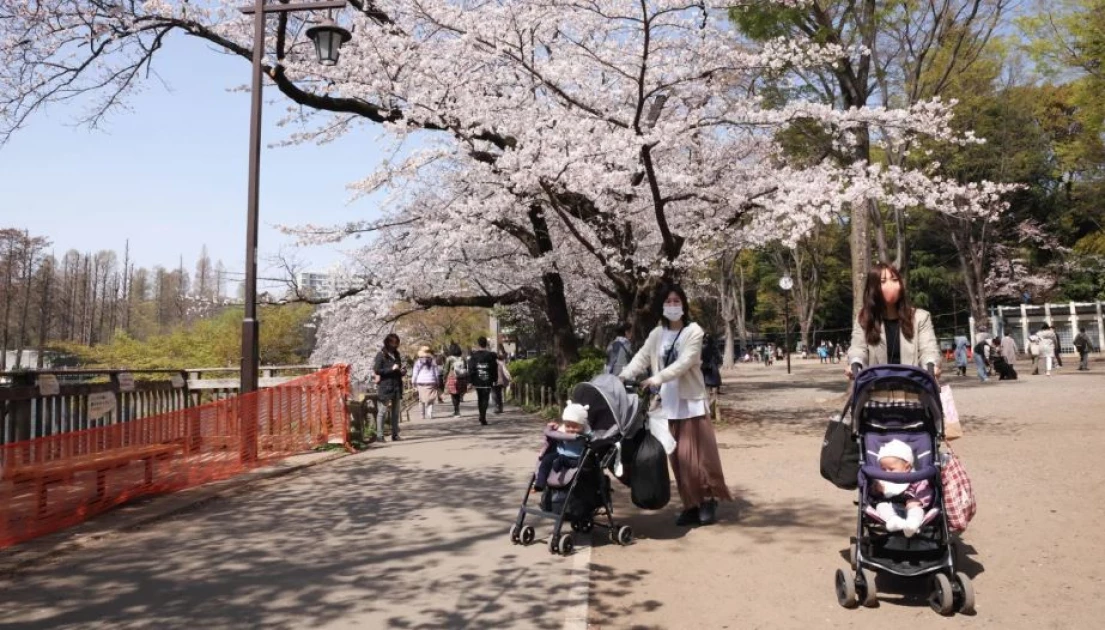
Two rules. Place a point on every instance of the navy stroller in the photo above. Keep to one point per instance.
(900, 402)
(581, 495)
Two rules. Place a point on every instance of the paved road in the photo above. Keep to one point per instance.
(406, 535)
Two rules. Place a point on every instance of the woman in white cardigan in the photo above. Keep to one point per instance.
(674, 353)
(889, 328)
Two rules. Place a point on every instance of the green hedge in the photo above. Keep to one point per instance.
(536, 372)
(578, 372)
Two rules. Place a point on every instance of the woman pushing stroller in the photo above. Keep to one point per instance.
(673, 351)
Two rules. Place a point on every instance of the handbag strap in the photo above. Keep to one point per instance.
(667, 355)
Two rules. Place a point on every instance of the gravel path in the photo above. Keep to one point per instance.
(1036, 549)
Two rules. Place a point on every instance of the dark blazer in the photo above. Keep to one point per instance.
(391, 381)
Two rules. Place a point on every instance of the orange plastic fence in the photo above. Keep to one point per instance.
(58, 481)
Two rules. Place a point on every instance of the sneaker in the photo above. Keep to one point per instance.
(687, 518)
(395, 438)
(483, 421)
(707, 512)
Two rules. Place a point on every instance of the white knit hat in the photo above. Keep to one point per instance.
(897, 448)
(575, 413)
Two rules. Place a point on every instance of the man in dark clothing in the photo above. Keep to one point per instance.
(1082, 345)
(483, 369)
(388, 366)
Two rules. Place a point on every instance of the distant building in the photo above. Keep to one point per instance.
(322, 285)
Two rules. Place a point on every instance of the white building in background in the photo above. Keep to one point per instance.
(1066, 319)
(323, 285)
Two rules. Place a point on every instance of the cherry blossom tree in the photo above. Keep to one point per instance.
(585, 151)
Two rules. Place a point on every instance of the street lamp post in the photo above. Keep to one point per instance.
(786, 284)
(328, 38)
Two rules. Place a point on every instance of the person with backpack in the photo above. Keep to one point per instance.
(483, 366)
(456, 377)
(620, 351)
(1082, 345)
(504, 381)
(425, 378)
(673, 351)
(388, 368)
(982, 357)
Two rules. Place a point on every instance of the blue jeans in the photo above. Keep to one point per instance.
(980, 363)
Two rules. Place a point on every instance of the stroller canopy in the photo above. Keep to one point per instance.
(881, 379)
(612, 412)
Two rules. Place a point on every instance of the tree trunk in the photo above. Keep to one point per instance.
(564, 339)
(8, 297)
(28, 266)
(44, 314)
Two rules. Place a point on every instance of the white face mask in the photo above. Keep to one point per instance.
(673, 313)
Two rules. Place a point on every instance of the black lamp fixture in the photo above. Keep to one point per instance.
(328, 38)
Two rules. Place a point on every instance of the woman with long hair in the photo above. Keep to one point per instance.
(889, 328)
(673, 351)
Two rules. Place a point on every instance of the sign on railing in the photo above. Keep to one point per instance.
(41, 403)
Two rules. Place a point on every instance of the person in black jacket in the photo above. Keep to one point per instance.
(483, 369)
(389, 368)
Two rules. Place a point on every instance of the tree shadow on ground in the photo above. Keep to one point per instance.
(360, 538)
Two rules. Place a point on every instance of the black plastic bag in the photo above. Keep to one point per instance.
(649, 484)
(840, 459)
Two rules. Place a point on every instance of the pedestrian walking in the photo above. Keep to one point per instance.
(1009, 349)
(1082, 345)
(389, 371)
(483, 366)
(456, 377)
(619, 351)
(501, 384)
(1049, 347)
(1034, 352)
(425, 376)
(889, 328)
(673, 351)
(961, 345)
(982, 357)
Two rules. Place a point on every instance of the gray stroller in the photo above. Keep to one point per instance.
(581, 495)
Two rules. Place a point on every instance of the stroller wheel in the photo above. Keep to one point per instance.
(966, 594)
(942, 599)
(528, 535)
(846, 589)
(625, 535)
(870, 593)
(566, 545)
(514, 534)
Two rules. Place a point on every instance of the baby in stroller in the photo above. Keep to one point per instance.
(565, 452)
(903, 506)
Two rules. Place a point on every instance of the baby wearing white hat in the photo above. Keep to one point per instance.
(897, 456)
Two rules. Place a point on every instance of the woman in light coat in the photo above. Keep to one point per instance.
(425, 377)
(1049, 343)
(889, 329)
(674, 353)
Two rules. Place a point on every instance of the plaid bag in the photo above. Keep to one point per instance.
(959, 497)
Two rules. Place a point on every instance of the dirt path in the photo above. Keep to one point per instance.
(1036, 548)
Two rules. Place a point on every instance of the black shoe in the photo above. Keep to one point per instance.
(707, 512)
(687, 517)
(395, 438)
(483, 421)
(456, 414)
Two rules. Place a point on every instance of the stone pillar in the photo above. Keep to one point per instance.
(997, 324)
(971, 329)
(1100, 329)
(493, 325)
(1074, 324)
(1024, 327)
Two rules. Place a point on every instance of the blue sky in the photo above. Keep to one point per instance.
(170, 174)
